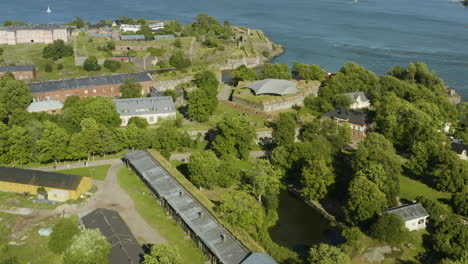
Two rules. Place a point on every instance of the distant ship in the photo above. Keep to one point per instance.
(48, 10)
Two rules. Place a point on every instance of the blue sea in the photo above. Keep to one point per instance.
(377, 34)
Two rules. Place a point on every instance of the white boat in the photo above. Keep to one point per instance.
(48, 10)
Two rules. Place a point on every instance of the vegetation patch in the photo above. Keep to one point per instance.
(95, 172)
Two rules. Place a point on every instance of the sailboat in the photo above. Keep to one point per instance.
(48, 10)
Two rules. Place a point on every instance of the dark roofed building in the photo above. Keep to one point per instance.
(21, 72)
(461, 150)
(414, 215)
(359, 122)
(107, 86)
(63, 186)
(125, 247)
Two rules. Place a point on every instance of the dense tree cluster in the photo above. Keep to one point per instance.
(327, 254)
(130, 89)
(243, 73)
(91, 64)
(390, 228)
(275, 71)
(56, 50)
(308, 72)
(88, 247)
(163, 253)
(112, 65)
(179, 61)
(202, 102)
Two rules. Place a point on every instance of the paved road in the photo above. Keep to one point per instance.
(111, 196)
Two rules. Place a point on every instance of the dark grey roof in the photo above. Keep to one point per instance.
(132, 37)
(273, 86)
(17, 68)
(459, 148)
(88, 82)
(409, 212)
(206, 227)
(351, 116)
(354, 96)
(34, 26)
(125, 247)
(40, 178)
(259, 258)
(145, 106)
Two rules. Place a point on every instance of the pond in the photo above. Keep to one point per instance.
(300, 226)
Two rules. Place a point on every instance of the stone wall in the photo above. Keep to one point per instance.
(171, 84)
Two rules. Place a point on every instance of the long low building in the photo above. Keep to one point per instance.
(59, 187)
(217, 243)
(34, 33)
(107, 86)
(152, 109)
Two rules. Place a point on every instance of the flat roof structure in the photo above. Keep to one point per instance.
(40, 178)
(42, 106)
(208, 230)
(273, 86)
(145, 106)
(17, 68)
(88, 82)
(125, 247)
(409, 212)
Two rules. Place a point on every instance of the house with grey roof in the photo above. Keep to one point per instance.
(273, 87)
(49, 106)
(358, 100)
(152, 109)
(359, 122)
(125, 248)
(414, 215)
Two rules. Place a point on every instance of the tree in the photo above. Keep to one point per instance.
(112, 65)
(156, 52)
(201, 105)
(91, 64)
(20, 146)
(207, 80)
(138, 121)
(343, 101)
(284, 129)
(89, 247)
(338, 135)
(130, 89)
(53, 143)
(48, 68)
(14, 95)
(56, 50)
(228, 172)
(243, 73)
(62, 234)
(147, 32)
(275, 71)
(365, 200)
(460, 203)
(78, 22)
(163, 253)
(177, 43)
(235, 136)
(451, 238)
(317, 176)
(327, 254)
(308, 72)
(71, 100)
(203, 169)
(60, 66)
(264, 179)
(110, 45)
(1, 51)
(96, 139)
(179, 61)
(390, 228)
(4, 143)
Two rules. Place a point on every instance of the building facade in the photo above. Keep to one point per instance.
(152, 109)
(358, 100)
(20, 72)
(415, 215)
(358, 122)
(21, 34)
(106, 86)
(49, 106)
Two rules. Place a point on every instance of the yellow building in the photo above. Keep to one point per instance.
(59, 187)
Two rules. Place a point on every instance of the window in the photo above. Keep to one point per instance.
(112, 89)
(86, 91)
(94, 90)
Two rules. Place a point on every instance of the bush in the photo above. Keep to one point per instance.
(112, 65)
(131, 52)
(163, 64)
(177, 43)
(62, 233)
(460, 203)
(111, 45)
(60, 66)
(138, 121)
(91, 64)
(58, 49)
(156, 52)
(178, 61)
(48, 67)
(389, 228)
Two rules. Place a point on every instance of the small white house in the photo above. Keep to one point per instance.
(152, 109)
(359, 100)
(414, 215)
(461, 150)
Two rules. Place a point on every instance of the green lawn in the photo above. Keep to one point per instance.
(410, 189)
(8, 200)
(96, 172)
(221, 110)
(154, 214)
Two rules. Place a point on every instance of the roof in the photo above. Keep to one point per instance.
(145, 106)
(228, 250)
(459, 148)
(34, 27)
(44, 106)
(40, 178)
(132, 37)
(273, 86)
(354, 96)
(18, 68)
(163, 36)
(409, 212)
(87, 82)
(125, 247)
(259, 258)
(351, 116)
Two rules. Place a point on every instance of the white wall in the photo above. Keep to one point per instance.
(416, 224)
(152, 118)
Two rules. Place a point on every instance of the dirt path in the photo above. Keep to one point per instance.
(111, 196)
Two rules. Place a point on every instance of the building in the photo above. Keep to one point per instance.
(156, 26)
(359, 122)
(106, 86)
(47, 33)
(358, 100)
(21, 72)
(125, 247)
(49, 106)
(217, 243)
(259, 258)
(130, 28)
(461, 150)
(59, 187)
(132, 37)
(414, 215)
(273, 87)
(152, 109)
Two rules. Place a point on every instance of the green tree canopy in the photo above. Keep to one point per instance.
(56, 50)
(275, 71)
(138, 121)
(130, 89)
(62, 234)
(163, 253)
(7, 23)
(390, 228)
(53, 143)
(365, 200)
(208, 81)
(112, 65)
(243, 73)
(308, 72)
(327, 254)
(179, 61)
(451, 238)
(14, 95)
(264, 180)
(91, 64)
(88, 247)
(284, 129)
(201, 105)
(460, 203)
(203, 169)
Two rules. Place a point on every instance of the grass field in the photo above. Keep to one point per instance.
(154, 214)
(410, 189)
(8, 200)
(221, 110)
(96, 172)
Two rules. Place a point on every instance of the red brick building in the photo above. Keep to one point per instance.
(358, 121)
(106, 86)
(21, 72)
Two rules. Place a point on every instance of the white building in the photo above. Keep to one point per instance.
(128, 28)
(414, 215)
(156, 26)
(48, 106)
(359, 100)
(152, 109)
